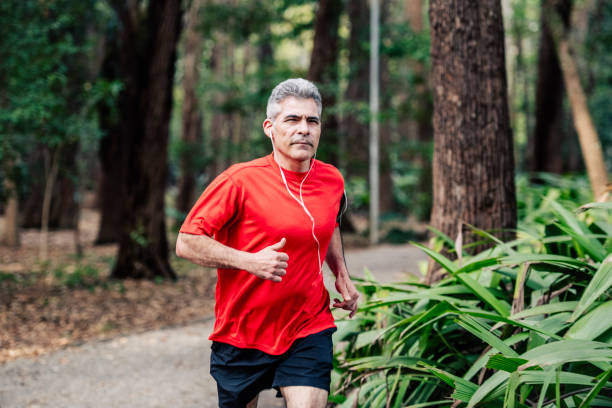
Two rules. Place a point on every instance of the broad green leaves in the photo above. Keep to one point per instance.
(524, 321)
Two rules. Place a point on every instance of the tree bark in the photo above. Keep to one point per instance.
(415, 125)
(192, 118)
(587, 134)
(10, 235)
(473, 166)
(355, 123)
(546, 145)
(51, 175)
(63, 204)
(323, 71)
(385, 181)
(144, 55)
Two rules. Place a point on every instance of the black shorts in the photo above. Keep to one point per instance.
(242, 373)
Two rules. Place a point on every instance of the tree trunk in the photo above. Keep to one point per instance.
(473, 167)
(53, 169)
(63, 204)
(416, 125)
(546, 145)
(323, 71)
(355, 123)
(385, 182)
(587, 134)
(192, 119)
(11, 215)
(219, 122)
(143, 58)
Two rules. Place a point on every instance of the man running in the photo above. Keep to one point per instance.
(268, 225)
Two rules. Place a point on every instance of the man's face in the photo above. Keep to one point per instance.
(295, 132)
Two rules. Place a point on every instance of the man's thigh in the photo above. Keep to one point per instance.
(307, 364)
(240, 374)
(304, 397)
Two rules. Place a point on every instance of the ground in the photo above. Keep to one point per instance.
(70, 337)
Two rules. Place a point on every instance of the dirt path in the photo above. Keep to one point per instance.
(160, 368)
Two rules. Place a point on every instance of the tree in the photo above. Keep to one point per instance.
(323, 69)
(592, 151)
(354, 124)
(549, 145)
(192, 118)
(43, 99)
(473, 166)
(141, 53)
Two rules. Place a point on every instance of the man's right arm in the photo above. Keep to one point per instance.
(203, 250)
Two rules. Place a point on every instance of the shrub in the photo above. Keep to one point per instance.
(523, 324)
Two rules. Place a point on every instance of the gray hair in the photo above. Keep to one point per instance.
(296, 87)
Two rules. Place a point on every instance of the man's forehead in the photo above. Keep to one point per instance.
(299, 107)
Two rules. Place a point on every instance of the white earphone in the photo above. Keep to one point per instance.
(300, 200)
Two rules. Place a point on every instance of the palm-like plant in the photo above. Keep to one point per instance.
(527, 323)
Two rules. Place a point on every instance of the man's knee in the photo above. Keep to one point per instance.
(304, 397)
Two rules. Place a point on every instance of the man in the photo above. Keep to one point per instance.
(268, 224)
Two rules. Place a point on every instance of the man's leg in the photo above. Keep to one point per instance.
(299, 396)
(253, 403)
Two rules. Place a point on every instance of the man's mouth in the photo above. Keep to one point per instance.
(302, 143)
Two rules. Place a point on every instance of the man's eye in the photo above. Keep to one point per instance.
(313, 121)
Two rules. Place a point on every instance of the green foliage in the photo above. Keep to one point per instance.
(525, 323)
(45, 96)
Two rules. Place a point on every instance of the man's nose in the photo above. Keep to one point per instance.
(303, 127)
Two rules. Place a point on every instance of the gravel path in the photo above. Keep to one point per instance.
(160, 368)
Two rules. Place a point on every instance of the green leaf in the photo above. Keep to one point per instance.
(544, 258)
(484, 334)
(600, 283)
(592, 246)
(550, 308)
(593, 393)
(508, 364)
(440, 259)
(590, 326)
(464, 389)
(483, 293)
(379, 362)
(367, 338)
(488, 387)
(483, 359)
(567, 351)
(601, 206)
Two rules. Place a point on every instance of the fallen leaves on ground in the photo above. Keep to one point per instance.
(65, 301)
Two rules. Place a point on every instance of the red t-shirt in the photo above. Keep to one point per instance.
(248, 207)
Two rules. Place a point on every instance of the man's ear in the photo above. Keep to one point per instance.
(267, 128)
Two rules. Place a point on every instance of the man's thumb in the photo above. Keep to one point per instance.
(279, 244)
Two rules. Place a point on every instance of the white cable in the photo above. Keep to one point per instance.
(300, 201)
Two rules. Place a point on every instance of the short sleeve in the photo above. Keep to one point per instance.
(218, 204)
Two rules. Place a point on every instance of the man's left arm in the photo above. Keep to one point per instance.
(335, 260)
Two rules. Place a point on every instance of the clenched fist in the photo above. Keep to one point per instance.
(269, 263)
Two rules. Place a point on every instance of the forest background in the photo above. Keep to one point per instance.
(118, 114)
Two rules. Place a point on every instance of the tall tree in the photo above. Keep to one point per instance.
(192, 118)
(355, 124)
(323, 69)
(134, 150)
(548, 145)
(592, 151)
(473, 168)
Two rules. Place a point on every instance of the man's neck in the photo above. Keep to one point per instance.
(287, 163)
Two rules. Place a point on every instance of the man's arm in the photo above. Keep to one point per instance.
(335, 260)
(203, 250)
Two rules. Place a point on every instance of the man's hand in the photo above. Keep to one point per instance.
(269, 263)
(349, 294)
